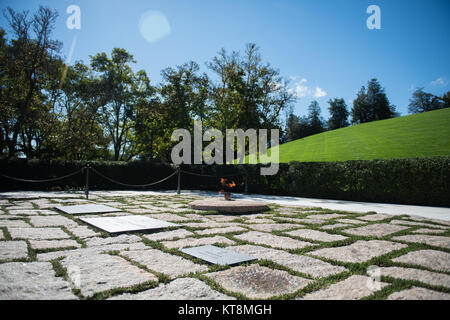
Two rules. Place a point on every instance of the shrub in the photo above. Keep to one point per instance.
(419, 181)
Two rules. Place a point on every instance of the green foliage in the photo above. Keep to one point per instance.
(122, 90)
(422, 101)
(338, 114)
(372, 104)
(301, 127)
(248, 93)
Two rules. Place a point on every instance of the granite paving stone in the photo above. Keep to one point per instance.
(316, 235)
(258, 282)
(268, 227)
(48, 256)
(82, 232)
(412, 223)
(13, 250)
(259, 220)
(433, 259)
(194, 242)
(376, 230)
(168, 235)
(13, 223)
(178, 289)
(53, 244)
(32, 281)
(273, 240)
(308, 220)
(313, 267)
(23, 212)
(428, 277)
(221, 218)
(352, 288)
(335, 226)
(162, 262)
(423, 219)
(167, 217)
(51, 221)
(220, 230)
(360, 251)
(351, 221)
(428, 230)
(94, 273)
(37, 233)
(416, 293)
(438, 241)
(375, 217)
(326, 216)
(124, 238)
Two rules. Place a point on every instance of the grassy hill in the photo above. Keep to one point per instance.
(419, 135)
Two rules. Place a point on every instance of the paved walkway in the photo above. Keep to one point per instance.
(300, 253)
(340, 205)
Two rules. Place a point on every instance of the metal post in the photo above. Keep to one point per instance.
(86, 189)
(179, 181)
(246, 185)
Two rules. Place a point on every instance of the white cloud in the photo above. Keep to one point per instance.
(301, 90)
(439, 82)
(319, 93)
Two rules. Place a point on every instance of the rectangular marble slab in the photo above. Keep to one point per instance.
(86, 209)
(128, 223)
(217, 255)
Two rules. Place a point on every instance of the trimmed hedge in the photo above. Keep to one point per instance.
(419, 181)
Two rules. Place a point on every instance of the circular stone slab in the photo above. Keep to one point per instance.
(229, 206)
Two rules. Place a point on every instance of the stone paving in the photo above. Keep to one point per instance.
(301, 253)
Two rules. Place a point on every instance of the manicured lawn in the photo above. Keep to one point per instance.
(420, 135)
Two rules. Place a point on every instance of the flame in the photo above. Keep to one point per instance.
(226, 184)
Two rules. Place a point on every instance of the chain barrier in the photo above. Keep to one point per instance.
(44, 180)
(133, 185)
(87, 168)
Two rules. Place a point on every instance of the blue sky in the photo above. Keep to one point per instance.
(323, 46)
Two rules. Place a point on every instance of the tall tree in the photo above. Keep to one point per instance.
(120, 89)
(372, 104)
(297, 127)
(338, 114)
(81, 136)
(26, 61)
(248, 93)
(184, 98)
(316, 122)
(422, 101)
(446, 100)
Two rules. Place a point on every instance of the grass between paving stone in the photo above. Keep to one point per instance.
(74, 237)
(162, 278)
(121, 290)
(6, 234)
(425, 223)
(60, 271)
(401, 284)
